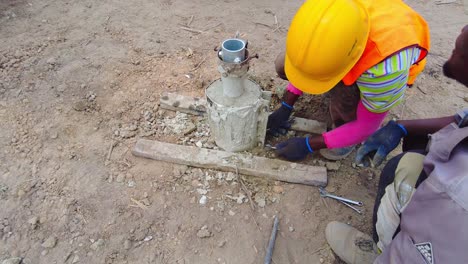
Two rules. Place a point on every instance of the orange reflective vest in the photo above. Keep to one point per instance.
(394, 26)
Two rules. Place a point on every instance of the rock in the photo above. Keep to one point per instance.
(203, 232)
(120, 178)
(291, 229)
(222, 243)
(12, 261)
(127, 244)
(76, 259)
(321, 260)
(131, 183)
(199, 144)
(203, 200)
(231, 213)
(332, 166)
(51, 61)
(202, 191)
(278, 189)
(97, 245)
(189, 128)
(127, 133)
(260, 201)
(34, 221)
(230, 176)
(80, 106)
(49, 242)
(44, 252)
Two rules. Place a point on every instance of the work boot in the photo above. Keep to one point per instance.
(351, 245)
(337, 153)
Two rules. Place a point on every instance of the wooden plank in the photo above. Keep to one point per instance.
(226, 161)
(308, 126)
(197, 106)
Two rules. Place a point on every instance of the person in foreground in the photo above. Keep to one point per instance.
(358, 53)
(421, 209)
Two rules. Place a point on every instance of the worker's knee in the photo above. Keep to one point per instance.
(279, 66)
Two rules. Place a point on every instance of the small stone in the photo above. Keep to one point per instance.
(466, 99)
(203, 233)
(332, 166)
(131, 183)
(97, 245)
(127, 244)
(49, 242)
(231, 213)
(51, 61)
(221, 243)
(291, 229)
(12, 261)
(202, 191)
(321, 260)
(148, 238)
(203, 200)
(199, 144)
(261, 202)
(76, 259)
(230, 176)
(33, 221)
(278, 189)
(80, 106)
(120, 178)
(44, 252)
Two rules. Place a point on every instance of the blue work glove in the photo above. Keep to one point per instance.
(294, 149)
(382, 142)
(278, 121)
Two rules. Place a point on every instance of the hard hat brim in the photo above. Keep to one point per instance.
(307, 84)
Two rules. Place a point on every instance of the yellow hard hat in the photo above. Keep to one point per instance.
(325, 40)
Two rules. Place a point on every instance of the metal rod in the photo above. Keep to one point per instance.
(271, 244)
(350, 206)
(341, 199)
(324, 193)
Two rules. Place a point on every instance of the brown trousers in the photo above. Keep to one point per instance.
(343, 98)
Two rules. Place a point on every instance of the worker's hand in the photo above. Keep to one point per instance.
(278, 121)
(294, 149)
(382, 142)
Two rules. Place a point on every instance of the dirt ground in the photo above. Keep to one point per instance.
(77, 77)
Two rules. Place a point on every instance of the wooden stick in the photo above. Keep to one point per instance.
(227, 161)
(192, 30)
(190, 21)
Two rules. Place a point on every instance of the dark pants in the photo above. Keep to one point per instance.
(343, 99)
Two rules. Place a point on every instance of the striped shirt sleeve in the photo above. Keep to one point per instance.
(383, 86)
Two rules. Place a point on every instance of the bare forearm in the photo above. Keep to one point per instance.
(290, 98)
(421, 127)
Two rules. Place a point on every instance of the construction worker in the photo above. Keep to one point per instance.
(421, 209)
(364, 53)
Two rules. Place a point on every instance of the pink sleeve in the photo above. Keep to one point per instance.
(355, 131)
(291, 88)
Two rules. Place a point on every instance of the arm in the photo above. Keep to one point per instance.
(422, 127)
(349, 134)
(291, 95)
(278, 121)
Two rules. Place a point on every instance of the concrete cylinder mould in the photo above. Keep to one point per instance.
(237, 108)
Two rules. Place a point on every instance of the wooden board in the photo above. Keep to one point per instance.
(226, 161)
(308, 126)
(196, 106)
